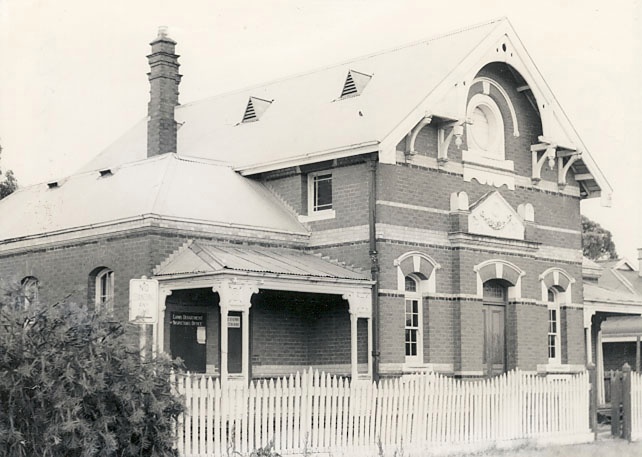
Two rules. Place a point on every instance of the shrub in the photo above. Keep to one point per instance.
(72, 383)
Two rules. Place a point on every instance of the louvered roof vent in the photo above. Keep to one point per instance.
(255, 109)
(355, 83)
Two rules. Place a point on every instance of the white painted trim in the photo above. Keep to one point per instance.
(318, 216)
(487, 81)
(412, 207)
(496, 149)
(154, 221)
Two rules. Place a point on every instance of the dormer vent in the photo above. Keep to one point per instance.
(255, 109)
(354, 84)
(52, 184)
(105, 172)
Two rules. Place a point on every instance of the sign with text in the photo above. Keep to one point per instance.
(188, 319)
(143, 301)
(233, 321)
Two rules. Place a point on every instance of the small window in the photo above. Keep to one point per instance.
(29, 287)
(320, 192)
(105, 290)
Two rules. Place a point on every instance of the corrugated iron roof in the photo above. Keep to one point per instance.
(595, 293)
(204, 258)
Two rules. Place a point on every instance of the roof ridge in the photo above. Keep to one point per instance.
(345, 62)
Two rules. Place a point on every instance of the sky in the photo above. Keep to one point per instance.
(73, 73)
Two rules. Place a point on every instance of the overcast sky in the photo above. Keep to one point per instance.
(73, 72)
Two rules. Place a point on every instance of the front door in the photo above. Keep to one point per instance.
(494, 358)
(187, 341)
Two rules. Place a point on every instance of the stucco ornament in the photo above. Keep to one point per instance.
(493, 216)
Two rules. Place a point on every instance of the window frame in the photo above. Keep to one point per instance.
(30, 286)
(313, 212)
(496, 149)
(553, 306)
(417, 297)
(104, 302)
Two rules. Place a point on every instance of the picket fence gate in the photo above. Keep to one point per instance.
(318, 413)
(636, 406)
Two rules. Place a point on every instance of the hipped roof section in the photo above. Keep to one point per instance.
(168, 186)
(207, 259)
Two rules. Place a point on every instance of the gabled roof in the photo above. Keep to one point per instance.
(206, 258)
(306, 122)
(168, 186)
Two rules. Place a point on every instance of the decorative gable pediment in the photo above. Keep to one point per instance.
(493, 216)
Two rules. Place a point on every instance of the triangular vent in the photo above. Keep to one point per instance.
(255, 109)
(355, 83)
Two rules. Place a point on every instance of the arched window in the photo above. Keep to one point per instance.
(555, 296)
(104, 289)
(556, 292)
(485, 133)
(29, 286)
(413, 321)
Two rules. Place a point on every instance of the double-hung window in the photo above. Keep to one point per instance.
(105, 290)
(320, 196)
(554, 345)
(412, 320)
(320, 192)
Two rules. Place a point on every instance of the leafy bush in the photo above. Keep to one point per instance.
(72, 383)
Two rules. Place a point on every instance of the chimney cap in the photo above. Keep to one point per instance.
(163, 35)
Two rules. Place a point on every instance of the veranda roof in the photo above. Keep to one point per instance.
(621, 328)
(201, 258)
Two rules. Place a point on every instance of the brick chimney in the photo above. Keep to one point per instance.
(163, 80)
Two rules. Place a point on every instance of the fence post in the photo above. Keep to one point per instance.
(593, 399)
(616, 399)
(626, 401)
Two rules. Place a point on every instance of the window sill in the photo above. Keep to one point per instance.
(418, 367)
(318, 216)
(560, 368)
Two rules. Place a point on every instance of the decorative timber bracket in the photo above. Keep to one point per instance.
(548, 151)
(412, 136)
(454, 128)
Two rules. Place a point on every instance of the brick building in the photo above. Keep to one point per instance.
(613, 310)
(415, 209)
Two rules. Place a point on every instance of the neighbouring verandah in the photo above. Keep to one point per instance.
(242, 312)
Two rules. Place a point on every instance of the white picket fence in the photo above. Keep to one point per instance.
(636, 406)
(316, 413)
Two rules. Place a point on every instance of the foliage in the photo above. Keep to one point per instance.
(267, 451)
(72, 384)
(8, 184)
(597, 242)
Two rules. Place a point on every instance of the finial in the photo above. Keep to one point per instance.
(162, 31)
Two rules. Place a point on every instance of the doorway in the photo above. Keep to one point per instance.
(494, 326)
(187, 339)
